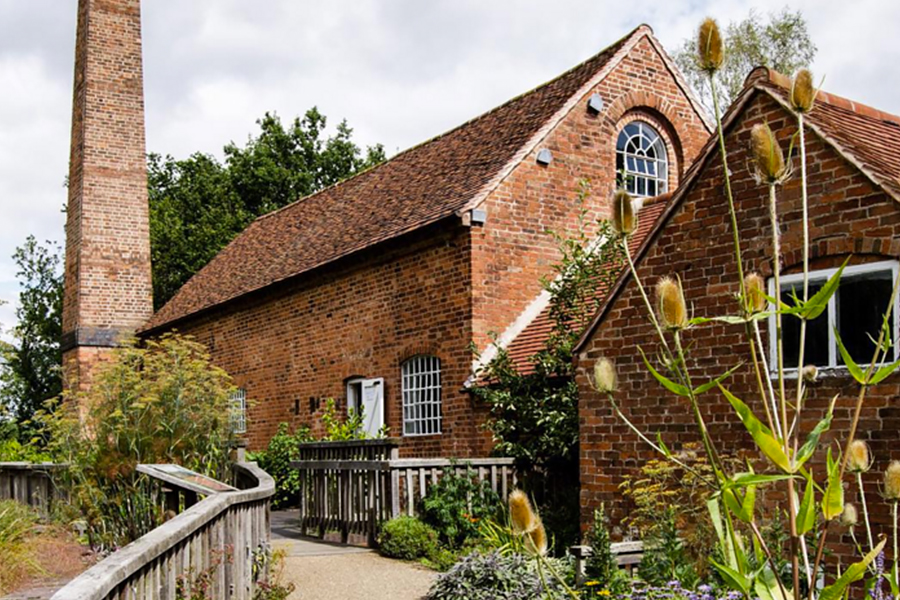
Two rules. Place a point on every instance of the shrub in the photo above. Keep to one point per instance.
(276, 461)
(494, 576)
(407, 538)
(162, 402)
(602, 566)
(456, 504)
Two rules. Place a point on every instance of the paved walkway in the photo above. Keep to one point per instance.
(329, 571)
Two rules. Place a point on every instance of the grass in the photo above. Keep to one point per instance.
(18, 559)
(32, 550)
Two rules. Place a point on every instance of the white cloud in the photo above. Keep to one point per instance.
(399, 71)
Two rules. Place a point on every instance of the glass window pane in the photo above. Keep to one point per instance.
(817, 344)
(861, 302)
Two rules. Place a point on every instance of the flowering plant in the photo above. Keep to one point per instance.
(814, 507)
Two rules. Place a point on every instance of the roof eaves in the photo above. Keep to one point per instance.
(686, 89)
(627, 44)
(890, 187)
(705, 154)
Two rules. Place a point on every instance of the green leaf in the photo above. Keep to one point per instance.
(761, 434)
(883, 372)
(767, 587)
(894, 580)
(806, 516)
(817, 304)
(833, 500)
(667, 383)
(715, 515)
(851, 365)
(732, 578)
(729, 497)
(662, 445)
(701, 389)
(812, 440)
(748, 506)
(853, 573)
(745, 479)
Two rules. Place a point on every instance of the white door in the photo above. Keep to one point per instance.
(373, 406)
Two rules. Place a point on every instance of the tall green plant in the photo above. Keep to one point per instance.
(748, 564)
(160, 402)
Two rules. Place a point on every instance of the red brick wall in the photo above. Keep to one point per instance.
(107, 267)
(847, 215)
(513, 250)
(360, 317)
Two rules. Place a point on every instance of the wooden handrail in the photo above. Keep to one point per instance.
(150, 566)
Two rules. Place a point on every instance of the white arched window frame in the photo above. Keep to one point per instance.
(642, 163)
(420, 382)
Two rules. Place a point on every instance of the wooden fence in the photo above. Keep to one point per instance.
(350, 487)
(226, 535)
(31, 484)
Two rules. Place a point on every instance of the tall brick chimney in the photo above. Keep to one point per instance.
(108, 292)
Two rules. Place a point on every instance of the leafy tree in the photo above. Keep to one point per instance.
(782, 43)
(198, 205)
(30, 372)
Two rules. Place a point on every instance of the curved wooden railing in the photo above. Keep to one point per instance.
(224, 537)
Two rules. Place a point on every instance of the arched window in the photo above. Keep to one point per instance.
(420, 383)
(642, 165)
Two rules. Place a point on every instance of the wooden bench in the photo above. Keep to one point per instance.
(628, 556)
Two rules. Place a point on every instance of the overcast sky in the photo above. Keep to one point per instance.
(400, 71)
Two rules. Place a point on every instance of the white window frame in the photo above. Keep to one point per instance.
(822, 276)
(661, 178)
(420, 389)
(238, 405)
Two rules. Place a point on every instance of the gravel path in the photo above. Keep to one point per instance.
(357, 576)
(328, 571)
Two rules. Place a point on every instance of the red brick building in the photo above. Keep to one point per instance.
(854, 186)
(372, 291)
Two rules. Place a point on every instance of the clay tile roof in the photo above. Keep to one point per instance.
(866, 136)
(531, 340)
(429, 182)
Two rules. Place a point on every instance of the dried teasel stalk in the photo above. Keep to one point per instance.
(850, 517)
(520, 512)
(672, 307)
(755, 290)
(624, 219)
(859, 459)
(710, 52)
(605, 375)
(767, 157)
(803, 92)
(892, 481)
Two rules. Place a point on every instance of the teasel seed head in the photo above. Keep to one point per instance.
(809, 373)
(624, 220)
(849, 518)
(520, 512)
(803, 92)
(859, 459)
(766, 153)
(536, 540)
(755, 290)
(709, 46)
(892, 481)
(605, 376)
(672, 308)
